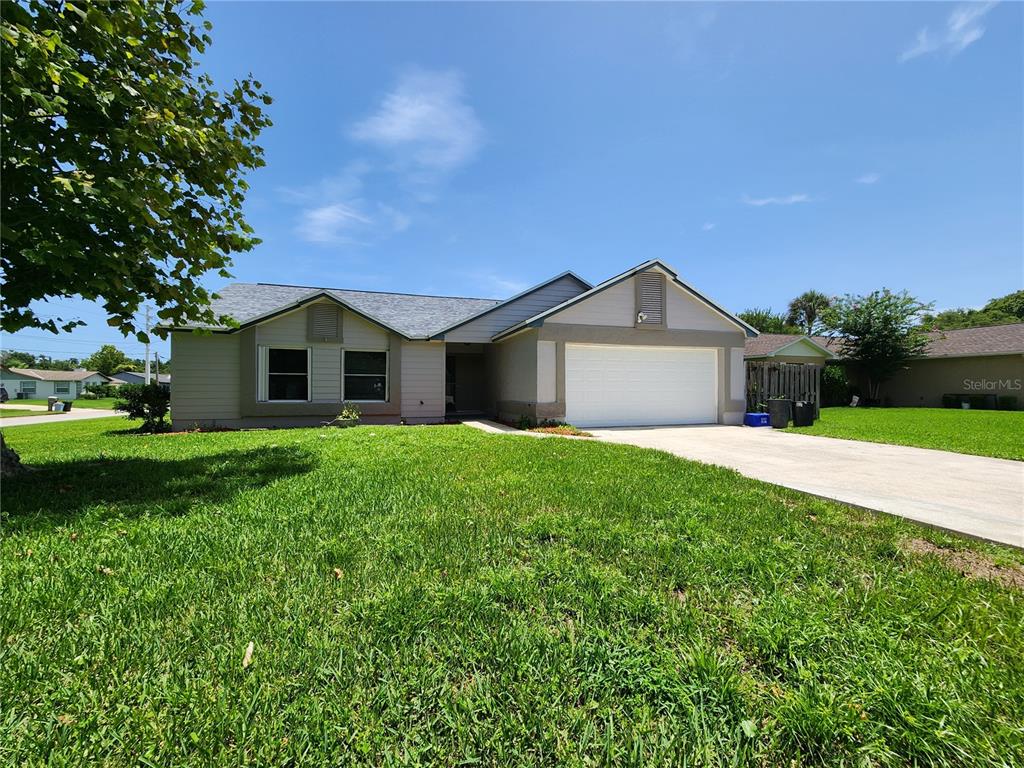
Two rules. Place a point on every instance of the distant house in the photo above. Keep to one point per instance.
(135, 377)
(36, 384)
(786, 348)
(983, 367)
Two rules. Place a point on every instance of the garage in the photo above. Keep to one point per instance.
(617, 386)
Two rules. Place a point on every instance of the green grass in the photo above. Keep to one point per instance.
(10, 413)
(439, 595)
(103, 402)
(985, 433)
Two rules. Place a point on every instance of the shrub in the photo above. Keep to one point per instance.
(835, 389)
(100, 390)
(1007, 402)
(87, 395)
(149, 402)
(350, 412)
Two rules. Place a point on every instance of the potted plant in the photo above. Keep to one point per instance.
(349, 416)
(780, 410)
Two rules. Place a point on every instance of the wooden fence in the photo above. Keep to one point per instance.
(796, 381)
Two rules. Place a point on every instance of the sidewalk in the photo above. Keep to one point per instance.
(73, 415)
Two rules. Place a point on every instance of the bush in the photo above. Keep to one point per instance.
(835, 389)
(1007, 402)
(149, 402)
(100, 390)
(87, 395)
(350, 412)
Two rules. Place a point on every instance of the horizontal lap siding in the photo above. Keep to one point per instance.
(326, 384)
(484, 328)
(206, 376)
(613, 306)
(423, 380)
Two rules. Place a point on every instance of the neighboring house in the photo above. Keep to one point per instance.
(965, 362)
(135, 377)
(642, 348)
(786, 348)
(36, 384)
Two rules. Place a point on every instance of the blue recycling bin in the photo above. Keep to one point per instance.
(757, 420)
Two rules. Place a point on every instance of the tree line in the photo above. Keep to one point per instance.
(108, 360)
(806, 314)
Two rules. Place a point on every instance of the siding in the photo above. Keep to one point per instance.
(612, 306)
(423, 381)
(206, 376)
(737, 375)
(533, 303)
(616, 306)
(547, 367)
(515, 368)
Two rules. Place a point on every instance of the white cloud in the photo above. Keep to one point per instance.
(963, 27)
(708, 226)
(869, 178)
(425, 121)
(331, 223)
(786, 200)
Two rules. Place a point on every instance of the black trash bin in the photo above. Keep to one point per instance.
(803, 413)
(780, 412)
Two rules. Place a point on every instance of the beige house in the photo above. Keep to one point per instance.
(982, 367)
(641, 348)
(786, 348)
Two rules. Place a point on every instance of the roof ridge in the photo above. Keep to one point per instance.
(380, 293)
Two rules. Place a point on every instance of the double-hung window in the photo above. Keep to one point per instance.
(62, 387)
(28, 388)
(366, 376)
(284, 374)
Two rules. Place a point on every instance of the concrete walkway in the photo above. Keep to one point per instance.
(14, 406)
(979, 496)
(72, 415)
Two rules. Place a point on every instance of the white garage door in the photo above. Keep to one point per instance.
(613, 386)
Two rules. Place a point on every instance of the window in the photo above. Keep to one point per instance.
(366, 375)
(28, 387)
(62, 387)
(285, 373)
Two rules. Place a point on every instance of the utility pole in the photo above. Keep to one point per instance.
(147, 344)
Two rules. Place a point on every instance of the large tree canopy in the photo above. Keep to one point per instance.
(880, 332)
(122, 166)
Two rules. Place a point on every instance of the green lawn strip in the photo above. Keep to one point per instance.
(999, 434)
(436, 594)
(10, 413)
(106, 403)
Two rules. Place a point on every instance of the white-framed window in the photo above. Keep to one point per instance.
(284, 374)
(62, 387)
(365, 375)
(28, 387)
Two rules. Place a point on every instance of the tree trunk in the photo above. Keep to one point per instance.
(10, 462)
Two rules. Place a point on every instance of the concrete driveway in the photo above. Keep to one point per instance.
(72, 415)
(971, 494)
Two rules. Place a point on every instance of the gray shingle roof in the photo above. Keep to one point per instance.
(411, 315)
(46, 375)
(767, 343)
(963, 342)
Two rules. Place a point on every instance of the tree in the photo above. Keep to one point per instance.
(879, 332)
(1011, 304)
(108, 360)
(952, 319)
(805, 310)
(767, 321)
(122, 166)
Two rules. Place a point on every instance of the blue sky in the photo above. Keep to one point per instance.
(761, 149)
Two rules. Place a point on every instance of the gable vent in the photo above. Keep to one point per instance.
(324, 323)
(650, 299)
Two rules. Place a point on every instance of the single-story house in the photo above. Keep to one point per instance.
(37, 384)
(642, 348)
(786, 348)
(957, 365)
(136, 377)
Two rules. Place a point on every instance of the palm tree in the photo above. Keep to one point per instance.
(806, 308)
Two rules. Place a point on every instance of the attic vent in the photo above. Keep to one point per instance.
(650, 299)
(324, 323)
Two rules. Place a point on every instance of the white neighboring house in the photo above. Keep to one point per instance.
(36, 384)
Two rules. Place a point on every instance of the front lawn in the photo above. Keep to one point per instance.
(10, 413)
(440, 595)
(985, 433)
